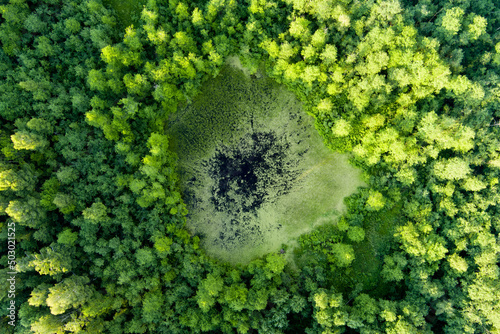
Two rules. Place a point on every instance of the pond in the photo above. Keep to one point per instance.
(254, 172)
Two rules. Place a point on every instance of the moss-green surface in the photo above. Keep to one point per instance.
(254, 171)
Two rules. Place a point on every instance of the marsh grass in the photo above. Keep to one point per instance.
(254, 171)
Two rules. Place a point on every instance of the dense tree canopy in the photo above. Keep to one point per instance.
(411, 89)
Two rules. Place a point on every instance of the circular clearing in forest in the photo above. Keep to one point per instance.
(254, 172)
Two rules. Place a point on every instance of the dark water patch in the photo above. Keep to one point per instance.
(250, 170)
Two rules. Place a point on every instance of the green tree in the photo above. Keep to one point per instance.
(451, 20)
(67, 175)
(40, 125)
(451, 169)
(152, 306)
(72, 25)
(376, 201)
(208, 291)
(97, 81)
(145, 257)
(64, 202)
(236, 297)
(51, 262)
(341, 254)
(97, 213)
(24, 140)
(44, 47)
(67, 237)
(329, 54)
(341, 128)
(275, 264)
(477, 27)
(24, 179)
(72, 292)
(26, 212)
(393, 267)
(258, 298)
(50, 189)
(356, 233)
(163, 246)
(299, 28)
(197, 17)
(48, 324)
(39, 295)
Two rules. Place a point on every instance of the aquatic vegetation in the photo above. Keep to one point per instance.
(254, 171)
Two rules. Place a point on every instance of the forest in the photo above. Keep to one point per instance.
(250, 166)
